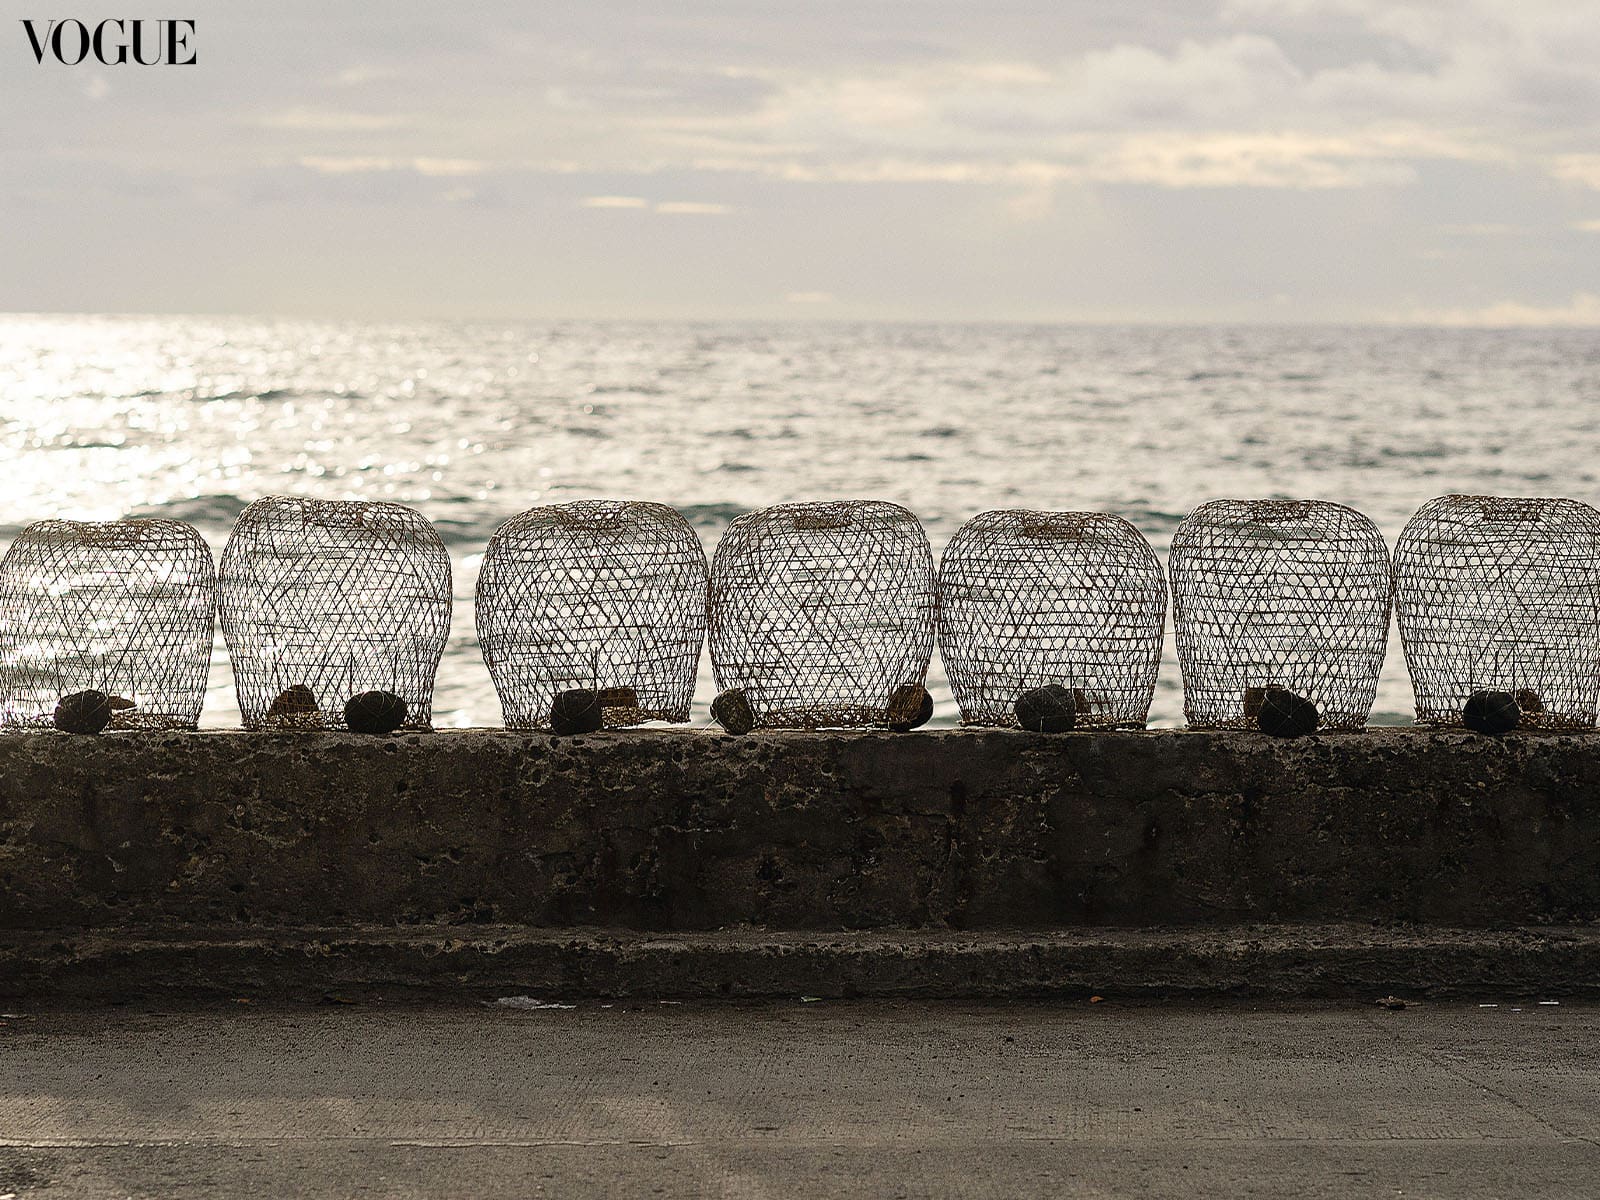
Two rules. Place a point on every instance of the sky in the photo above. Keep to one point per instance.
(1162, 161)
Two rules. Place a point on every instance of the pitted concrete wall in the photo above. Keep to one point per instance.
(693, 831)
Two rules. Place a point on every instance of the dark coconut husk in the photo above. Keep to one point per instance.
(296, 700)
(83, 712)
(1048, 709)
(1286, 714)
(374, 712)
(1253, 696)
(732, 711)
(1528, 701)
(910, 705)
(576, 711)
(1492, 713)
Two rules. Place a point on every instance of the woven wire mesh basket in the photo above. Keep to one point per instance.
(820, 611)
(1288, 593)
(120, 607)
(1034, 598)
(603, 594)
(332, 598)
(1502, 594)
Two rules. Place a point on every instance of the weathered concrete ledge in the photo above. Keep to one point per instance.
(696, 831)
(482, 962)
(688, 863)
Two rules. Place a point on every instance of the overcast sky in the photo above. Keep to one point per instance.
(1250, 160)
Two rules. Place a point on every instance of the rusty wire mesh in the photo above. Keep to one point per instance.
(1293, 593)
(1502, 594)
(604, 594)
(1034, 598)
(121, 607)
(333, 598)
(819, 611)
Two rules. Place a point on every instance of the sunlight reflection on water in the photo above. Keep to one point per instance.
(194, 417)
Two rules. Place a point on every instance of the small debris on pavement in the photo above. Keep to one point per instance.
(529, 1004)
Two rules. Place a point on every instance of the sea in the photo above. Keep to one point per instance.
(471, 422)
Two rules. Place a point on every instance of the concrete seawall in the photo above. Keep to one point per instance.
(233, 840)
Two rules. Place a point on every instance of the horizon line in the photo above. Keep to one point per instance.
(1367, 323)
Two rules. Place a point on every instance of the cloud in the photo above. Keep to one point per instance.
(703, 208)
(1583, 310)
(650, 89)
(1514, 71)
(1484, 229)
(1581, 169)
(1167, 160)
(1270, 94)
(1230, 111)
(325, 164)
(613, 202)
(1268, 106)
(315, 120)
(694, 208)
(447, 166)
(364, 73)
(1219, 82)
(1250, 160)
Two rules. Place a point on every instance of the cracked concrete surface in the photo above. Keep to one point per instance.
(804, 1099)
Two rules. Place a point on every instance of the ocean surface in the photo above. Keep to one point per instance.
(192, 418)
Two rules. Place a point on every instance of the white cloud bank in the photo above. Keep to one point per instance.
(1255, 101)
(1582, 311)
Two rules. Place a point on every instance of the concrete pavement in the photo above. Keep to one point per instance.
(803, 1099)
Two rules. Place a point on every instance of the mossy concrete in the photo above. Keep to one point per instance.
(690, 830)
(384, 963)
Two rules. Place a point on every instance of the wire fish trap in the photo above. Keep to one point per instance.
(1502, 594)
(123, 608)
(324, 600)
(608, 595)
(821, 612)
(1029, 599)
(1269, 594)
